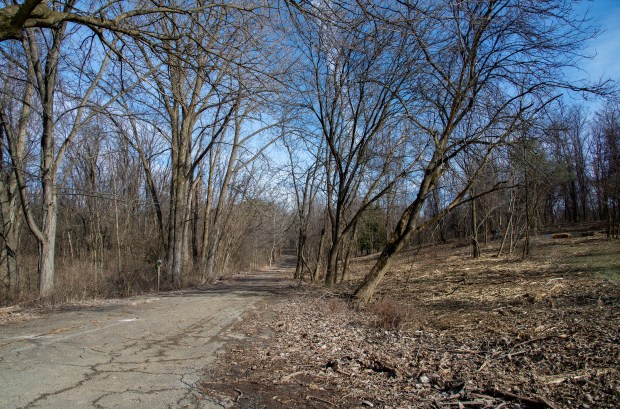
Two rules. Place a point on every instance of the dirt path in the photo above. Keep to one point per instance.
(145, 352)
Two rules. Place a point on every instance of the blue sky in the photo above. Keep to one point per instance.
(606, 15)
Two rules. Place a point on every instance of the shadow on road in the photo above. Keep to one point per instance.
(276, 280)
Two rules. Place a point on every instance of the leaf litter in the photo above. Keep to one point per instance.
(446, 331)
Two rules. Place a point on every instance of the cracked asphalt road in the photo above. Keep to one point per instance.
(145, 352)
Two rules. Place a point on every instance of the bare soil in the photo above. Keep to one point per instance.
(445, 331)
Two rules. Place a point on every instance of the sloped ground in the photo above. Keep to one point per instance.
(446, 331)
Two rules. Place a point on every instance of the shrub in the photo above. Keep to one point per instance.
(389, 314)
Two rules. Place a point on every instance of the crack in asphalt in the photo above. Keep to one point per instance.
(44, 396)
(95, 403)
(97, 371)
(140, 353)
(158, 361)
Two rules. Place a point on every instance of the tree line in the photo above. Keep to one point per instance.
(215, 136)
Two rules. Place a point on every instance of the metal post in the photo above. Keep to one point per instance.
(158, 273)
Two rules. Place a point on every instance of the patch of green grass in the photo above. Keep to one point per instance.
(603, 260)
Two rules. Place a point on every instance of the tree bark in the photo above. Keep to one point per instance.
(332, 261)
(352, 244)
(10, 215)
(48, 252)
(475, 244)
(365, 291)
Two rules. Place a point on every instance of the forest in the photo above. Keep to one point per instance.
(214, 137)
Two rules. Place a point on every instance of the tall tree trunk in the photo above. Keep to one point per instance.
(48, 252)
(178, 227)
(219, 208)
(301, 242)
(47, 237)
(10, 222)
(10, 215)
(347, 258)
(475, 244)
(332, 258)
(526, 240)
(180, 199)
(332, 264)
(319, 256)
(206, 225)
(196, 219)
(51, 153)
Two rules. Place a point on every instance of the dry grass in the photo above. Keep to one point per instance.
(437, 283)
(82, 280)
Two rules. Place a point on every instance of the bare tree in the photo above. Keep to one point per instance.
(606, 167)
(197, 97)
(15, 119)
(44, 54)
(352, 72)
(229, 161)
(132, 19)
(487, 67)
(305, 183)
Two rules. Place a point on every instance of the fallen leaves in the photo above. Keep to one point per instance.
(550, 341)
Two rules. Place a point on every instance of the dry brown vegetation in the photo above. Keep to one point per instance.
(445, 331)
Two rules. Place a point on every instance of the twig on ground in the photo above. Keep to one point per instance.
(240, 394)
(310, 397)
(536, 401)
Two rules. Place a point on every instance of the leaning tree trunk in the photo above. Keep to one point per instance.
(365, 291)
(402, 234)
(406, 227)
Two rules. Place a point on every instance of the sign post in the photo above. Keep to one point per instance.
(158, 273)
